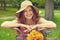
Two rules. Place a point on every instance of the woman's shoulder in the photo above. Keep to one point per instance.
(42, 20)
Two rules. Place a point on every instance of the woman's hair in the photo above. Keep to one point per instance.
(22, 19)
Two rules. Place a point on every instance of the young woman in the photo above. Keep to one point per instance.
(28, 18)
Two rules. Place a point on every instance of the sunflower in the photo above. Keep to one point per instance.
(35, 35)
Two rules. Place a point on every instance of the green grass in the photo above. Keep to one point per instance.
(10, 34)
(8, 12)
(7, 33)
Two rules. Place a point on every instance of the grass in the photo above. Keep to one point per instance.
(7, 33)
(10, 34)
(8, 12)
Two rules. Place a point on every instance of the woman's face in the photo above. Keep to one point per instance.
(28, 13)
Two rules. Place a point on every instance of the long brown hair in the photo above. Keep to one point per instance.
(21, 18)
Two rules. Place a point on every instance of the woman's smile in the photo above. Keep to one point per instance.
(29, 15)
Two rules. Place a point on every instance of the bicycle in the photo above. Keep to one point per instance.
(42, 31)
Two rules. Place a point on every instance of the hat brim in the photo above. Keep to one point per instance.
(36, 9)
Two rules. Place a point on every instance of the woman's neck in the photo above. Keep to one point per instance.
(29, 21)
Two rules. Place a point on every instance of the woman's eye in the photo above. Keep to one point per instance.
(30, 10)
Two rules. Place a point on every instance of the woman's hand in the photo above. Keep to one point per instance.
(28, 27)
(33, 26)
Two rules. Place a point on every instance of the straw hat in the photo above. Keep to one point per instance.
(26, 3)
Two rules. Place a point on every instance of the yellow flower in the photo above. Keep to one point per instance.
(35, 35)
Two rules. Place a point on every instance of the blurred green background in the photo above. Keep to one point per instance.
(8, 10)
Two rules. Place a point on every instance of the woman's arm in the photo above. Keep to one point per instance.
(13, 23)
(42, 23)
(46, 23)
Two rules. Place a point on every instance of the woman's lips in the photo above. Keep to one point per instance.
(28, 15)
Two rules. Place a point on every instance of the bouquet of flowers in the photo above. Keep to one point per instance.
(35, 35)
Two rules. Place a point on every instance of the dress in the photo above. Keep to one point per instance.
(22, 35)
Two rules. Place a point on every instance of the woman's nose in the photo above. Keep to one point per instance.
(29, 13)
